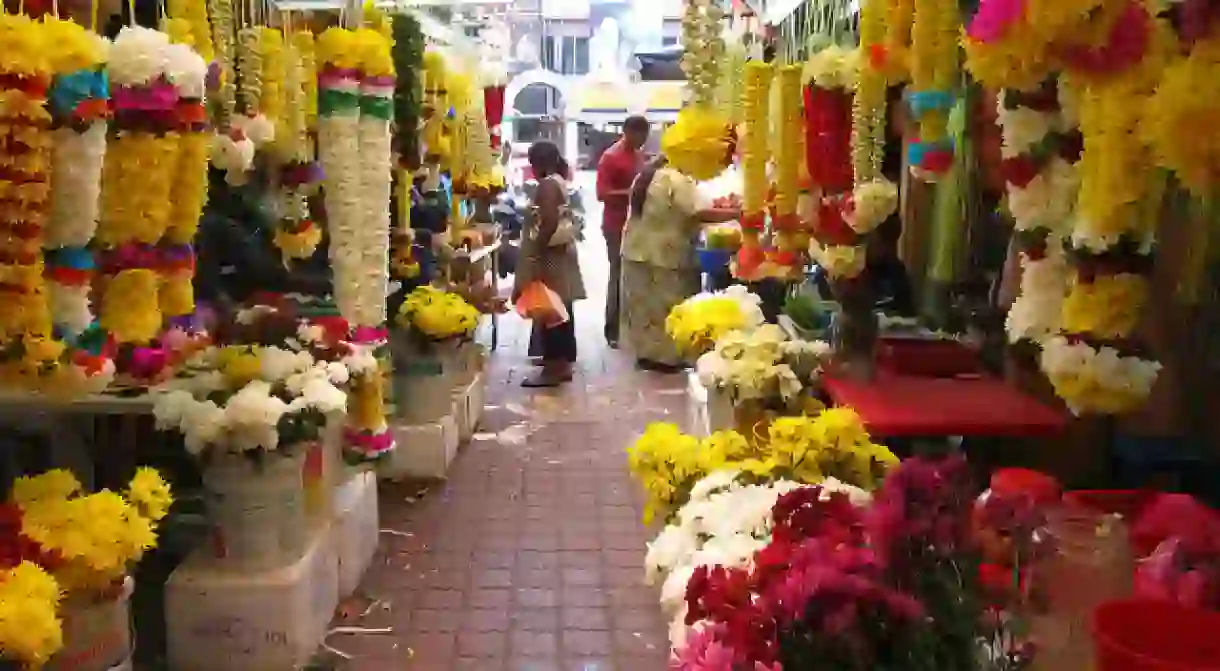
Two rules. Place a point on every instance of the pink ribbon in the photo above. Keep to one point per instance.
(161, 96)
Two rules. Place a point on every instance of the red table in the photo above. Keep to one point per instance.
(905, 406)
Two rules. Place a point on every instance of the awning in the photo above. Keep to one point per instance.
(610, 98)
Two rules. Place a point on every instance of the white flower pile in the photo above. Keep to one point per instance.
(289, 383)
(760, 365)
(723, 524)
(1045, 204)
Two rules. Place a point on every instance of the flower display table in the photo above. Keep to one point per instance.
(901, 406)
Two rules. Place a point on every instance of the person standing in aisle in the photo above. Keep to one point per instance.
(616, 170)
(659, 261)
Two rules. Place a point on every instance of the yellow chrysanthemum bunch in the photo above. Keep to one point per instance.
(1180, 117)
(695, 325)
(30, 631)
(698, 143)
(809, 449)
(438, 314)
(99, 536)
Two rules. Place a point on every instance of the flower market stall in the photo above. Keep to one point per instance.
(791, 538)
(282, 403)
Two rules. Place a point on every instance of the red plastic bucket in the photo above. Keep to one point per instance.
(1138, 635)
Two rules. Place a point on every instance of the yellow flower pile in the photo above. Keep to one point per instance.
(809, 449)
(99, 536)
(697, 324)
(698, 143)
(30, 630)
(438, 314)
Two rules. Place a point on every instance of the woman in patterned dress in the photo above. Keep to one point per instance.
(555, 265)
(660, 268)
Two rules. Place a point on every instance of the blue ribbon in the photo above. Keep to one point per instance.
(70, 90)
(917, 151)
(76, 258)
(921, 102)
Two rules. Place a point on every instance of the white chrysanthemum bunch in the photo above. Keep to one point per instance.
(759, 365)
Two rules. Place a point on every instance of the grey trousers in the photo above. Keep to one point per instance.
(614, 244)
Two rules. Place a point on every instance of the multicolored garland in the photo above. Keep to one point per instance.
(355, 92)
(31, 358)
(137, 182)
(754, 157)
(79, 109)
(934, 71)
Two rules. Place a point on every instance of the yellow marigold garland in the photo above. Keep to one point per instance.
(754, 157)
(789, 156)
(933, 79)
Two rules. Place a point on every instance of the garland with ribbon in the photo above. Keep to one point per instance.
(933, 76)
(754, 156)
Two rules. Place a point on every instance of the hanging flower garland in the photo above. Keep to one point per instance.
(232, 151)
(187, 71)
(787, 257)
(297, 235)
(436, 142)
(253, 123)
(1179, 120)
(868, 105)
(194, 17)
(355, 92)
(31, 357)
(933, 78)
(754, 156)
(78, 102)
(701, 33)
(408, 53)
(1093, 362)
(1040, 146)
(138, 177)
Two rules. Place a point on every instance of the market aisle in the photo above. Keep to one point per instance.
(530, 557)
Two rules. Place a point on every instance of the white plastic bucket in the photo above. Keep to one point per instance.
(97, 633)
(258, 509)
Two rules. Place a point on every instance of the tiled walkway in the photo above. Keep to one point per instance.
(530, 557)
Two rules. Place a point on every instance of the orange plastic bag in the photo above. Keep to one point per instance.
(539, 303)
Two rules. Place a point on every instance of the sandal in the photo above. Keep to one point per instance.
(544, 381)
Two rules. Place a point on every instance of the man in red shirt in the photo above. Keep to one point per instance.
(616, 170)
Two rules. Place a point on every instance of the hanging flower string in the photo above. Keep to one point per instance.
(1039, 149)
(31, 357)
(297, 235)
(787, 259)
(190, 186)
(232, 151)
(933, 77)
(78, 102)
(754, 155)
(138, 178)
(701, 33)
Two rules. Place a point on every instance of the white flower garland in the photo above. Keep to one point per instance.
(1118, 381)
(373, 242)
(1045, 203)
(339, 153)
(76, 164)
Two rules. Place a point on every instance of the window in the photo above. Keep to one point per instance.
(669, 41)
(574, 56)
(548, 53)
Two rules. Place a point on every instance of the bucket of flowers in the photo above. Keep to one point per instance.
(698, 323)
(85, 546)
(751, 376)
(837, 581)
(431, 350)
(254, 417)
